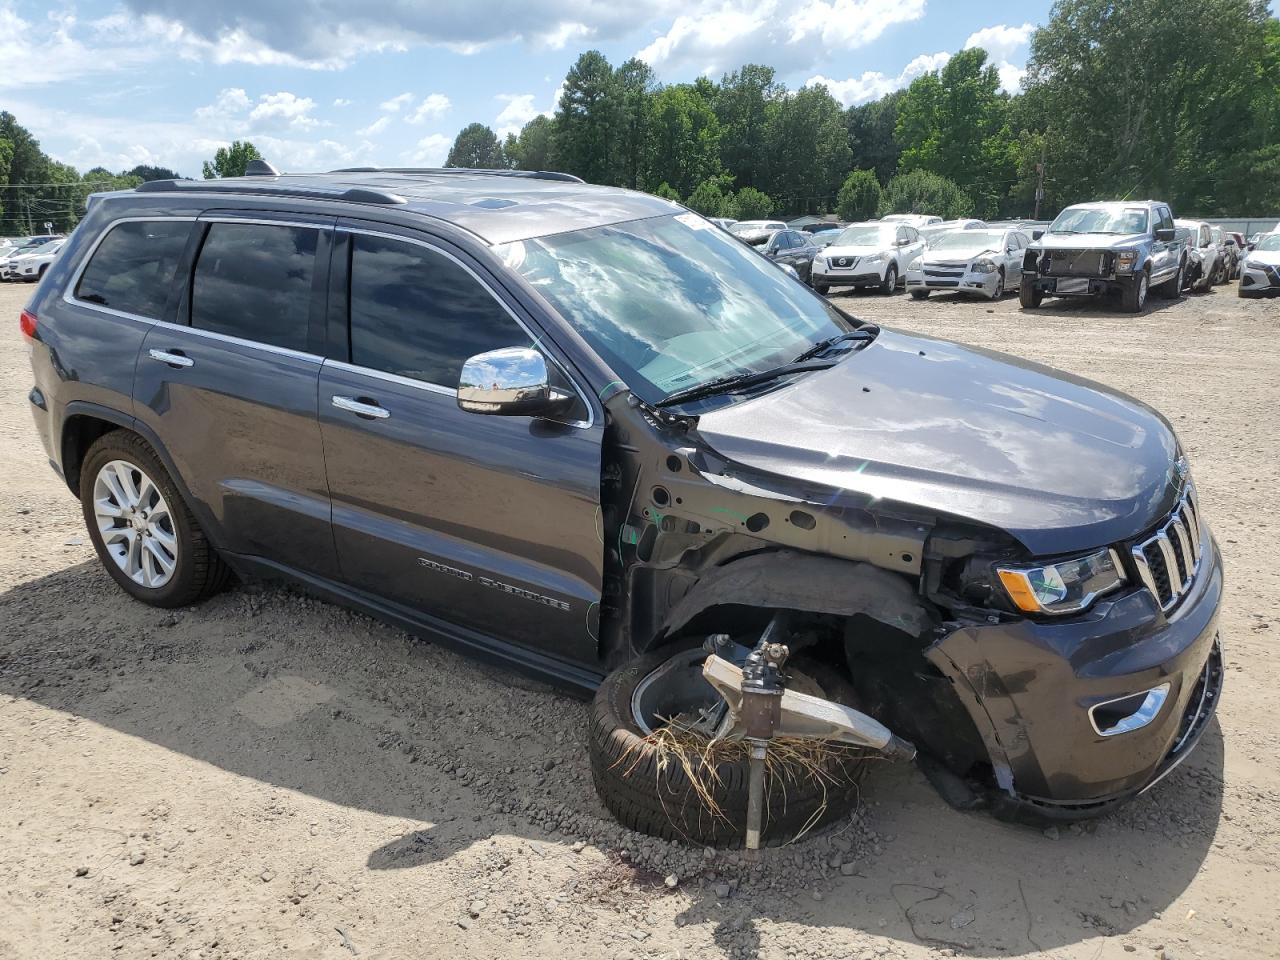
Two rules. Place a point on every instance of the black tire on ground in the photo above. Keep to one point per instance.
(1000, 288)
(1244, 294)
(1133, 297)
(199, 571)
(821, 288)
(661, 802)
(1171, 289)
(1029, 295)
(920, 294)
(890, 281)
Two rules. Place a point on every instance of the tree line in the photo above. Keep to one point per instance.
(1175, 99)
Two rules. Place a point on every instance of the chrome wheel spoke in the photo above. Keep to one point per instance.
(162, 562)
(165, 538)
(135, 523)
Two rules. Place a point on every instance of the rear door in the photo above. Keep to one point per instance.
(486, 522)
(230, 388)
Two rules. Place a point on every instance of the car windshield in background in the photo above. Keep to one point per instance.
(967, 240)
(1118, 220)
(672, 303)
(1270, 242)
(866, 236)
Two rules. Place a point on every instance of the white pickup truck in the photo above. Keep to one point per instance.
(1125, 248)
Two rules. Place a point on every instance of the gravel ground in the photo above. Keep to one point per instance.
(267, 775)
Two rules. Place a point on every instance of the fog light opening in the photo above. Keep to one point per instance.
(1128, 713)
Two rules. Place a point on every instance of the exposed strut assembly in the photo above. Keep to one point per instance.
(760, 708)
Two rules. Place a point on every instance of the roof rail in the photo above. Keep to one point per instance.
(351, 195)
(525, 174)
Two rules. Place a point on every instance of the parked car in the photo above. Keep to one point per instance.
(815, 228)
(792, 248)
(586, 434)
(867, 255)
(1260, 269)
(933, 231)
(1122, 248)
(1204, 257)
(31, 265)
(756, 232)
(912, 219)
(28, 261)
(986, 262)
(724, 223)
(824, 238)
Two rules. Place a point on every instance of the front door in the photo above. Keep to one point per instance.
(230, 389)
(486, 522)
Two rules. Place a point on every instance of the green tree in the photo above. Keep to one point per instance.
(634, 83)
(683, 146)
(589, 120)
(231, 161)
(145, 172)
(711, 197)
(808, 150)
(535, 149)
(667, 192)
(955, 123)
(923, 192)
(743, 104)
(476, 145)
(859, 197)
(751, 204)
(871, 126)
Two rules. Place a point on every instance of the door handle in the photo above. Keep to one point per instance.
(172, 358)
(362, 407)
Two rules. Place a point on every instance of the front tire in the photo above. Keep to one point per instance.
(649, 792)
(890, 282)
(1172, 289)
(1134, 296)
(1029, 295)
(920, 294)
(141, 527)
(821, 288)
(999, 290)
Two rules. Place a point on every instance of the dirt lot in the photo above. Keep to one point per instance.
(266, 775)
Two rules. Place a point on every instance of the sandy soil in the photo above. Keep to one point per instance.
(267, 775)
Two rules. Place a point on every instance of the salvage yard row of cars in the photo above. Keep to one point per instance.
(1124, 250)
(27, 258)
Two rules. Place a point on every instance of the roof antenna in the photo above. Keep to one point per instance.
(260, 168)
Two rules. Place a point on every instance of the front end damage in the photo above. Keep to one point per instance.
(1023, 715)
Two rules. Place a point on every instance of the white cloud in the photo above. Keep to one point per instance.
(230, 102)
(430, 151)
(395, 104)
(718, 35)
(872, 84)
(433, 105)
(342, 102)
(59, 48)
(1003, 44)
(518, 111)
(375, 128)
(283, 109)
(565, 34)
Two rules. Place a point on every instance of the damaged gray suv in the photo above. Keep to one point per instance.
(582, 432)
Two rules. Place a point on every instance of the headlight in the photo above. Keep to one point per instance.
(916, 263)
(1062, 587)
(1125, 260)
(984, 266)
(873, 258)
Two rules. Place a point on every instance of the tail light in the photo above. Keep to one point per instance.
(27, 323)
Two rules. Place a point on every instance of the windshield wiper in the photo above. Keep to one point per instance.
(822, 346)
(739, 381)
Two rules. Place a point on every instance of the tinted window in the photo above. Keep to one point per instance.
(132, 269)
(254, 281)
(416, 313)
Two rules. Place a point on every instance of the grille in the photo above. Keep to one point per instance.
(948, 273)
(843, 261)
(1167, 561)
(1079, 263)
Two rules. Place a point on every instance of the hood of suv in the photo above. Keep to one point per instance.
(852, 250)
(1087, 241)
(1060, 463)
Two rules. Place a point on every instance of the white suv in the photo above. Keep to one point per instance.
(32, 265)
(867, 255)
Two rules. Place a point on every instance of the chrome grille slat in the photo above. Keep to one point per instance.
(1171, 555)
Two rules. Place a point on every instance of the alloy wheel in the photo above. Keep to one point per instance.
(135, 523)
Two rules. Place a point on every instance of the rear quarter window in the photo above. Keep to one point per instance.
(133, 267)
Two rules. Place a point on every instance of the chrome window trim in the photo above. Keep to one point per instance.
(68, 294)
(240, 341)
(268, 222)
(534, 338)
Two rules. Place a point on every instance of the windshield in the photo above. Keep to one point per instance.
(968, 240)
(671, 302)
(866, 235)
(1120, 220)
(1269, 242)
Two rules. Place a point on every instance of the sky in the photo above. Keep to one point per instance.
(319, 84)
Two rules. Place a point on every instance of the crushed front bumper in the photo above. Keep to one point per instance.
(1029, 687)
(951, 280)
(1076, 286)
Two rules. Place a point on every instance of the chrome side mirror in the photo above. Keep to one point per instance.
(511, 382)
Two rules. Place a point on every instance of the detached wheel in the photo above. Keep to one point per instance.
(1029, 295)
(647, 786)
(142, 529)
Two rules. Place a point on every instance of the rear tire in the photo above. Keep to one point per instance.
(1029, 295)
(659, 799)
(197, 570)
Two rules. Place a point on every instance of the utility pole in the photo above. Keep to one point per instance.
(1039, 181)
